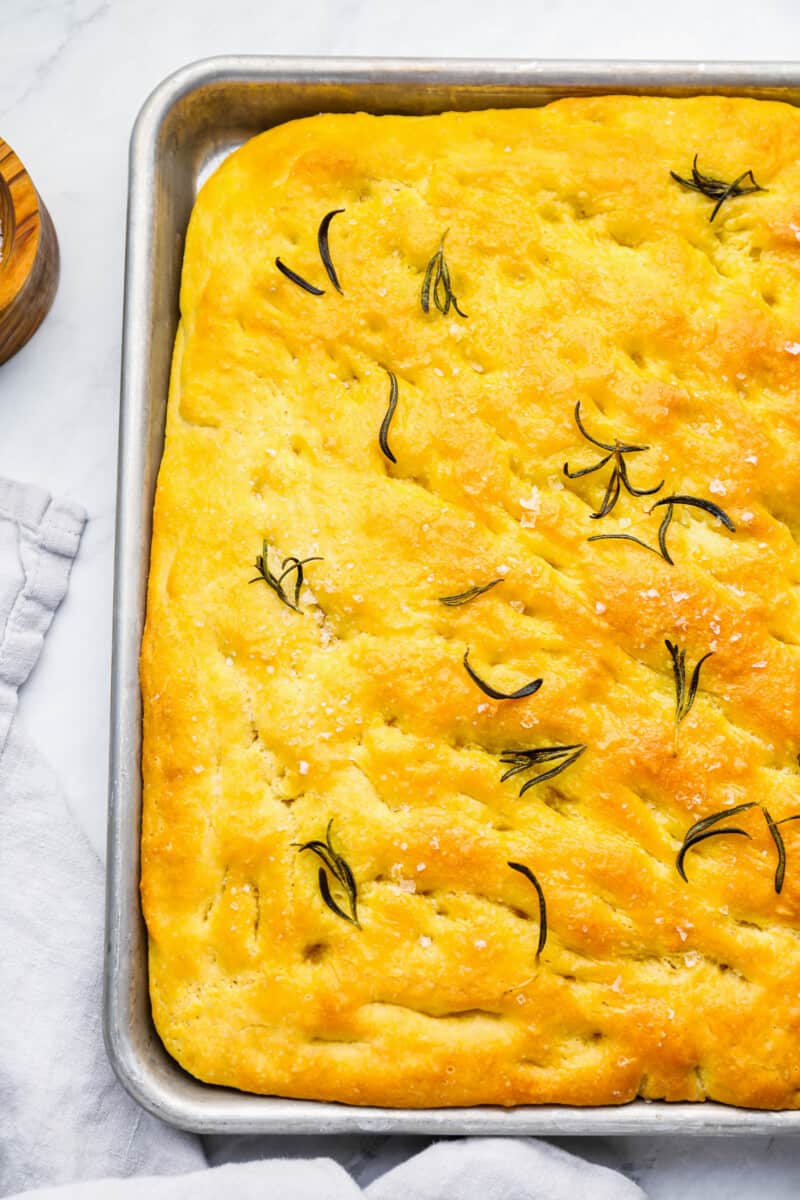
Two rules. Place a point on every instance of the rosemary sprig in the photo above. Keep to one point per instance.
(669, 502)
(718, 189)
(437, 279)
(488, 690)
(619, 474)
(703, 829)
(529, 875)
(298, 279)
(289, 566)
(387, 420)
(470, 594)
(684, 697)
(324, 251)
(523, 760)
(338, 868)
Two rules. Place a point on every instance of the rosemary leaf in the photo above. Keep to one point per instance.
(346, 876)
(662, 534)
(589, 438)
(695, 682)
(625, 537)
(470, 594)
(529, 875)
(298, 279)
(488, 690)
(425, 296)
(324, 251)
(775, 834)
(325, 892)
(387, 420)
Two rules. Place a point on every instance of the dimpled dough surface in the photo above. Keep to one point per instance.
(588, 275)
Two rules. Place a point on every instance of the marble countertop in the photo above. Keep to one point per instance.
(73, 74)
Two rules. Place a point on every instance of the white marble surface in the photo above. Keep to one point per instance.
(73, 74)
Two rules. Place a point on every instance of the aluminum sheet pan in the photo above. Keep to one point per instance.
(189, 124)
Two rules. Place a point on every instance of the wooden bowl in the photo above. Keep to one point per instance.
(28, 256)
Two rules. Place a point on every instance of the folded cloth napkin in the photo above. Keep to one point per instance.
(474, 1169)
(64, 1120)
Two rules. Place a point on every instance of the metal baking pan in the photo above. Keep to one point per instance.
(187, 126)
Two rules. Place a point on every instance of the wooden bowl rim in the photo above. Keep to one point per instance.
(21, 238)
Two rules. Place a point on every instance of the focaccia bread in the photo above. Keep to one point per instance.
(501, 785)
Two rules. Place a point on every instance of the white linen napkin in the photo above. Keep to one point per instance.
(62, 1115)
(64, 1120)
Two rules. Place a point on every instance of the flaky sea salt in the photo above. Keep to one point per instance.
(404, 885)
(532, 507)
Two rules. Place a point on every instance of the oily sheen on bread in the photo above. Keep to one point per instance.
(410, 839)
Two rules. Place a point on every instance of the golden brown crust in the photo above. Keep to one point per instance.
(587, 274)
